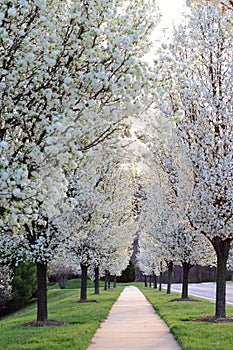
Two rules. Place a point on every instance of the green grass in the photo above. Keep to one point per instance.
(179, 316)
(74, 284)
(84, 318)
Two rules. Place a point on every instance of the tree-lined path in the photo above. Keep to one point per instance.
(132, 324)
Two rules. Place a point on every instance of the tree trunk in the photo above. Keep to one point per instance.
(150, 281)
(160, 280)
(109, 281)
(106, 281)
(222, 248)
(186, 268)
(62, 280)
(83, 291)
(169, 276)
(145, 280)
(42, 307)
(115, 281)
(155, 280)
(96, 281)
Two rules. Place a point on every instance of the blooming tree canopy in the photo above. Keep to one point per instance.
(149, 257)
(168, 203)
(67, 82)
(6, 277)
(196, 85)
(103, 217)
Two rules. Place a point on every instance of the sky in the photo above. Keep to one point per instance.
(171, 13)
(171, 10)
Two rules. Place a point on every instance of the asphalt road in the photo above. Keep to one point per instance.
(204, 290)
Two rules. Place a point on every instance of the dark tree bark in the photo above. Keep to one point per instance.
(83, 291)
(146, 281)
(222, 248)
(155, 280)
(106, 281)
(114, 281)
(150, 281)
(160, 280)
(170, 269)
(186, 268)
(62, 280)
(109, 281)
(42, 305)
(96, 281)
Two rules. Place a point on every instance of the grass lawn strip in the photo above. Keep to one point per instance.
(179, 316)
(83, 319)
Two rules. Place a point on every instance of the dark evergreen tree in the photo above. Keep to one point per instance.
(129, 274)
(24, 284)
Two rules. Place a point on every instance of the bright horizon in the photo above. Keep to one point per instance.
(171, 11)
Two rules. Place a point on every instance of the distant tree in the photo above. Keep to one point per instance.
(62, 269)
(168, 203)
(128, 275)
(102, 215)
(196, 91)
(149, 256)
(6, 277)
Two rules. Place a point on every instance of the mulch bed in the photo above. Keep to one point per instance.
(214, 319)
(48, 323)
(86, 301)
(186, 299)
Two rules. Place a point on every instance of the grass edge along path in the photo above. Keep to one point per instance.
(84, 319)
(179, 316)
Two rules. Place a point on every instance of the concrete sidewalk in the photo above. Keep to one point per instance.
(132, 324)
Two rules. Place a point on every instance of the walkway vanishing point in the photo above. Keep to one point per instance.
(132, 324)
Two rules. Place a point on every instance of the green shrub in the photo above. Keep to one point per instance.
(24, 285)
(129, 274)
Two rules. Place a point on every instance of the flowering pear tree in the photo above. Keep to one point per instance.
(67, 82)
(196, 85)
(118, 249)
(149, 256)
(169, 201)
(5, 285)
(104, 197)
(230, 260)
(61, 268)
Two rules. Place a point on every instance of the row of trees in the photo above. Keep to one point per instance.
(71, 74)
(102, 240)
(165, 230)
(190, 206)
